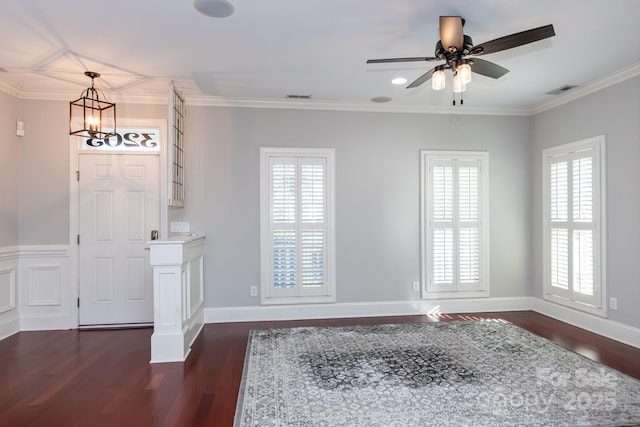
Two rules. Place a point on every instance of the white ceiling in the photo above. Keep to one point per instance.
(270, 48)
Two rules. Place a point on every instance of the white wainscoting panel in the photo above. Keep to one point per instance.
(7, 289)
(9, 313)
(45, 288)
(44, 283)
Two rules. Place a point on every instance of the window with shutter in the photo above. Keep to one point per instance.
(297, 236)
(573, 219)
(454, 212)
(175, 149)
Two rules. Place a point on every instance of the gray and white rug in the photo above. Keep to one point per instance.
(463, 373)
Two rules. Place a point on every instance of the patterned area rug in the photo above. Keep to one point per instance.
(463, 373)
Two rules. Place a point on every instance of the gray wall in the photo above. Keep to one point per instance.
(377, 177)
(44, 173)
(9, 154)
(615, 113)
(377, 194)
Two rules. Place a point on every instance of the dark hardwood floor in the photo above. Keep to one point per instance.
(103, 378)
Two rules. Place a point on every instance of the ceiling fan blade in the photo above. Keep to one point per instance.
(414, 59)
(487, 68)
(451, 34)
(514, 40)
(423, 78)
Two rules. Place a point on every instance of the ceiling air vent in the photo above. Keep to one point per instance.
(292, 96)
(562, 89)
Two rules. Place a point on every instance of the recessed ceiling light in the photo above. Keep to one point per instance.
(381, 99)
(399, 81)
(214, 8)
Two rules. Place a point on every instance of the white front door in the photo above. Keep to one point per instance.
(118, 206)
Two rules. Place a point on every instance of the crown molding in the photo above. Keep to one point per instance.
(10, 89)
(67, 96)
(212, 101)
(595, 86)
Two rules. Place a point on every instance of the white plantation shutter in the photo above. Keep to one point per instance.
(284, 232)
(312, 262)
(312, 224)
(469, 224)
(582, 227)
(469, 254)
(572, 216)
(583, 187)
(284, 258)
(454, 239)
(559, 258)
(559, 191)
(583, 262)
(442, 225)
(442, 253)
(297, 231)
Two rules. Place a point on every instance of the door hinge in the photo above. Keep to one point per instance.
(78, 239)
(78, 302)
(78, 176)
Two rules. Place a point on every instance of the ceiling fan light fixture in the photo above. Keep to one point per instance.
(464, 71)
(453, 48)
(438, 79)
(459, 85)
(214, 8)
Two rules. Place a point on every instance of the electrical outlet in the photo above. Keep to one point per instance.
(416, 286)
(254, 291)
(179, 227)
(613, 303)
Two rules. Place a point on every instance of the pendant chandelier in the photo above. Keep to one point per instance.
(91, 116)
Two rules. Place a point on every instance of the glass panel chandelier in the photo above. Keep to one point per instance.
(91, 116)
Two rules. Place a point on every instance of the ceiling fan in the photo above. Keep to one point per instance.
(454, 47)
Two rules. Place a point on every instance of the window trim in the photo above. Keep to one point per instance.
(597, 144)
(266, 153)
(425, 217)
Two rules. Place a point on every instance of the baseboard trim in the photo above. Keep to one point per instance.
(596, 324)
(592, 323)
(9, 327)
(46, 322)
(363, 309)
